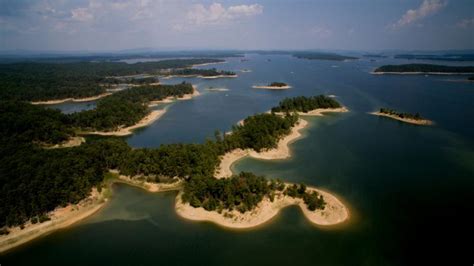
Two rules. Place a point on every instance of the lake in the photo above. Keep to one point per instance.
(406, 186)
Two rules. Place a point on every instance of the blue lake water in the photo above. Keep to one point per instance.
(407, 186)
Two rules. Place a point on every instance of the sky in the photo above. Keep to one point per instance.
(113, 25)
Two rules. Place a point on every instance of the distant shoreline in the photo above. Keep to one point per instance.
(420, 73)
(420, 122)
(199, 76)
(86, 99)
(271, 87)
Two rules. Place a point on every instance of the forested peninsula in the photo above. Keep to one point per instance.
(423, 69)
(38, 183)
(30, 81)
(314, 105)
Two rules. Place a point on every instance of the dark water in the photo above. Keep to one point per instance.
(410, 189)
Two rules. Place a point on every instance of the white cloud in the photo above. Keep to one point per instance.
(320, 31)
(466, 23)
(216, 13)
(81, 14)
(427, 8)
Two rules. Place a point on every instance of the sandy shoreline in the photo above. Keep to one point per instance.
(272, 87)
(60, 218)
(334, 213)
(72, 142)
(422, 122)
(148, 186)
(73, 213)
(321, 111)
(147, 120)
(420, 73)
(87, 99)
(281, 152)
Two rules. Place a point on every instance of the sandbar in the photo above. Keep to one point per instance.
(86, 99)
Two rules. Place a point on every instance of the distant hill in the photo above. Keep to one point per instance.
(323, 56)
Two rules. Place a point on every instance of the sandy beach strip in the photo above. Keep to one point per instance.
(334, 213)
(72, 142)
(207, 64)
(281, 152)
(271, 87)
(421, 122)
(146, 121)
(148, 186)
(60, 218)
(321, 111)
(86, 99)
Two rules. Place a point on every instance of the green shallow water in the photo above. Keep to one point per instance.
(408, 187)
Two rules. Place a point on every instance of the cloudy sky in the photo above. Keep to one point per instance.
(100, 25)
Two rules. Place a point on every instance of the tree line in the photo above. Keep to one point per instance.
(305, 104)
(199, 72)
(425, 68)
(30, 81)
(388, 111)
(126, 107)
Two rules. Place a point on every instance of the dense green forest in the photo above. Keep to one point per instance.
(34, 180)
(126, 107)
(199, 72)
(47, 81)
(277, 84)
(388, 111)
(127, 80)
(242, 192)
(29, 123)
(425, 68)
(323, 56)
(305, 104)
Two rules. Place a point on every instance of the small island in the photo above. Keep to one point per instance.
(315, 105)
(404, 117)
(417, 69)
(273, 86)
(199, 73)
